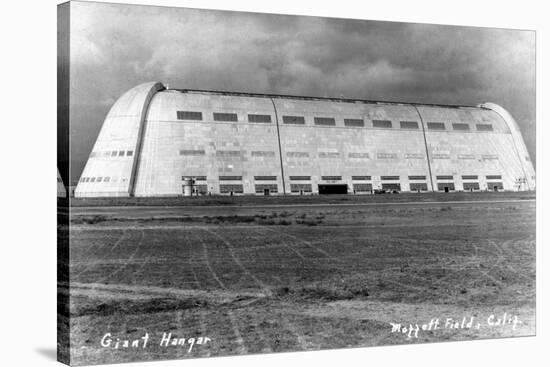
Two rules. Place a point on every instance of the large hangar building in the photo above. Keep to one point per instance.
(154, 140)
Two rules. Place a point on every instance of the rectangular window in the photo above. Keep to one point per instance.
(469, 177)
(470, 186)
(265, 178)
(188, 115)
(359, 178)
(444, 177)
(226, 189)
(386, 155)
(362, 187)
(99, 179)
(218, 116)
(300, 178)
(230, 178)
(121, 153)
(409, 125)
(484, 127)
(262, 154)
(106, 179)
(358, 155)
(92, 179)
(494, 177)
(385, 124)
(418, 186)
(324, 121)
(442, 185)
(331, 178)
(354, 122)
(201, 189)
(197, 178)
(436, 126)
(414, 156)
(461, 126)
(329, 155)
(294, 120)
(416, 178)
(259, 118)
(114, 153)
(297, 154)
(129, 153)
(300, 187)
(391, 186)
(192, 152)
(389, 178)
(260, 189)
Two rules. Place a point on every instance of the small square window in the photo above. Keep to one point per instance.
(121, 153)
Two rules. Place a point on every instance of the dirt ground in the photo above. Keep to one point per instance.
(287, 279)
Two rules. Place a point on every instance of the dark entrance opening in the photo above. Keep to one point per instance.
(495, 188)
(266, 192)
(327, 189)
(446, 188)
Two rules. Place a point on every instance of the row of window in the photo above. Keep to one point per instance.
(307, 187)
(329, 121)
(354, 178)
(333, 155)
(308, 178)
(113, 153)
(357, 187)
(96, 179)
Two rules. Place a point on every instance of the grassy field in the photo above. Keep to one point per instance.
(297, 199)
(290, 279)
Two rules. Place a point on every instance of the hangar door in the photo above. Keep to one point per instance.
(327, 189)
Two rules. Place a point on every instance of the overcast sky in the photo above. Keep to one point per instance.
(115, 47)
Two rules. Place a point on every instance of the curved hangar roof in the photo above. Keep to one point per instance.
(153, 135)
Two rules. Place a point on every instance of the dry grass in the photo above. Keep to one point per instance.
(284, 284)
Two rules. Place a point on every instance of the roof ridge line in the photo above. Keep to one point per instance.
(313, 98)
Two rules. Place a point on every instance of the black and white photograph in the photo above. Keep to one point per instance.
(244, 183)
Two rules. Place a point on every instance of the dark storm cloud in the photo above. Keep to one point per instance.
(115, 47)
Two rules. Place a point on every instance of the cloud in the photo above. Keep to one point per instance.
(116, 47)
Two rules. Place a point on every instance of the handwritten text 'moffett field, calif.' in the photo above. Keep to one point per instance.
(471, 322)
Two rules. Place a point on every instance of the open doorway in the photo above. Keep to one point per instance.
(328, 189)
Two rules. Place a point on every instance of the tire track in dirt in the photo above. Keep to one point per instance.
(92, 264)
(307, 243)
(208, 263)
(504, 249)
(238, 262)
(284, 244)
(132, 256)
(485, 273)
